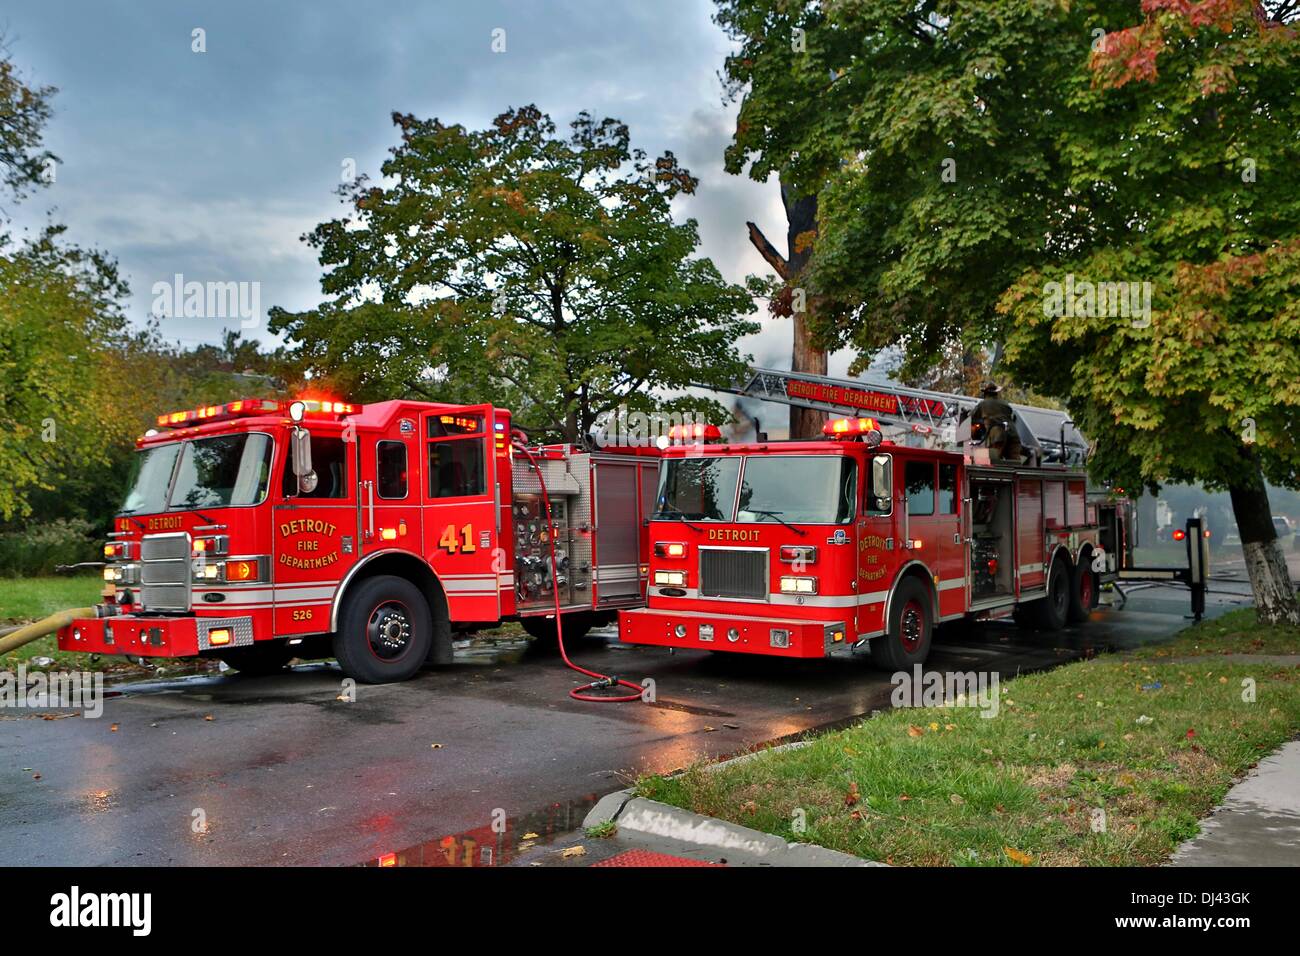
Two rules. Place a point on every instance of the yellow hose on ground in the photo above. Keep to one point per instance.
(30, 632)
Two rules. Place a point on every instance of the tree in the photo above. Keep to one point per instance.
(985, 147)
(541, 272)
(1203, 207)
(60, 405)
(774, 68)
(24, 111)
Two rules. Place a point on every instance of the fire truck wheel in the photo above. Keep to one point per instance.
(1050, 613)
(385, 631)
(907, 641)
(264, 657)
(1083, 593)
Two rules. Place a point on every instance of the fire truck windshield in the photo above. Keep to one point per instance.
(697, 489)
(799, 489)
(217, 472)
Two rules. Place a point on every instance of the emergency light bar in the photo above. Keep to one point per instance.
(251, 406)
(694, 432)
(853, 428)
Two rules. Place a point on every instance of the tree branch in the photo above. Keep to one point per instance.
(768, 251)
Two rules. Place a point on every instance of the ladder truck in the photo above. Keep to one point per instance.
(261, 530)
(895, 522)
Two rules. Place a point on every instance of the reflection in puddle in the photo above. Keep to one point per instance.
(493, 844)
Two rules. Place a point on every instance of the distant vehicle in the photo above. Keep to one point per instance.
(1282, 525)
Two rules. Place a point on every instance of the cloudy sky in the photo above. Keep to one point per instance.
(213, 164)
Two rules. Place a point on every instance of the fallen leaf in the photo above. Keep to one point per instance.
(1190, 733)
(574, 851)
(1024, 859)
(914, 731)
(934, 726)
(208, 717)
(956, 799)
(903, 797)
(113, 729)
(852, 796)
(749, 806)
(530, 835)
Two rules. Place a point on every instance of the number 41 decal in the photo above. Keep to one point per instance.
(451, 542)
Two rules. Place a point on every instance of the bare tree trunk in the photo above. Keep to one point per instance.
(1270, 580)
(801, 231)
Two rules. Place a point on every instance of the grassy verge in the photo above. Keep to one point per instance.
(1110, 761)
(30, 599)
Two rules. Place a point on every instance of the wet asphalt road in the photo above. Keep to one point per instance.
(282, 772)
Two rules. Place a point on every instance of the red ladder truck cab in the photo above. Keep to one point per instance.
(818, 548)
(261, 530)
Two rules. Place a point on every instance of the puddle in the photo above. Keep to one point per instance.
(493, 845)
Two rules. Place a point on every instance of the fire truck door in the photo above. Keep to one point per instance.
(950, 540)
(315, 540)
(391, 503)
(460, 509)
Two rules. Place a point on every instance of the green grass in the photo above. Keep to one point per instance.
(30, 599)
(945, 786)
(1237, 632)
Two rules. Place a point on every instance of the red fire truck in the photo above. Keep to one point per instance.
(817, 548)
(261, 530)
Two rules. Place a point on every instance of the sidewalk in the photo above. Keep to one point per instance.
(1259, 821)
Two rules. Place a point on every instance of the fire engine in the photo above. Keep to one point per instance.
(857, 542)
(261, 530)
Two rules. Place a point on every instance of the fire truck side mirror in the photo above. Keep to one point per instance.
(882, 480)
(300, 452)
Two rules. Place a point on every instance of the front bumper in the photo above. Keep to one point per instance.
(776, 637)
(155, 636)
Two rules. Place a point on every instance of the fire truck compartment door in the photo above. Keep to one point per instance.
(459, 491)
(316, 540)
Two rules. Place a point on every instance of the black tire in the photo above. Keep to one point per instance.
(1050, 613)
(385, 631)
(906, 641)
(542, 629)
(1083, 592)
(264, 657)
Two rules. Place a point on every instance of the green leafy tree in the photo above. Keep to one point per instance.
(60, 406)
(24, 111)
(541, 272)
(783, 59)
(1195, 116)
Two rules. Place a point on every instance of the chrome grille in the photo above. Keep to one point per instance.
(165, 572)
(734, 573)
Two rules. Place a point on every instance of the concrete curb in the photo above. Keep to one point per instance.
(659, 821)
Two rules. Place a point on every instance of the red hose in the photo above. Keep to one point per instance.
(602, 680)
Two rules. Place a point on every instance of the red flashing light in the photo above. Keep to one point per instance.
(1179, 534)
(251, 406)
(864, 428)
(698, 431)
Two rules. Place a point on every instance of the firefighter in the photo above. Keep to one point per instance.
(997, 422)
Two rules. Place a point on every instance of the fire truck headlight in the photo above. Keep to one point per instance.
(671, 579)
(670, 549)
(791, 584)
(680, 630)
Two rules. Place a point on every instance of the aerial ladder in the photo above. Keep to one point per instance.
(911, 416)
